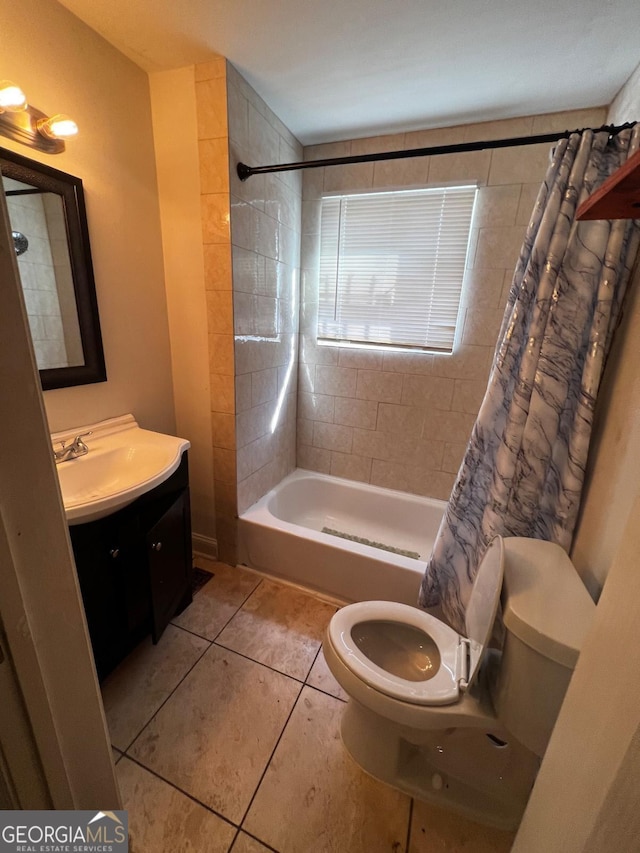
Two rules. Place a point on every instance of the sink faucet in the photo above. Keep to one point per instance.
(73, 450)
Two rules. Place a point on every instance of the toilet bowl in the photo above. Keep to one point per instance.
(428, 707)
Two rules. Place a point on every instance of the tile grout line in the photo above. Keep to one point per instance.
(195, 663)
(255, 838)
(409, 825)
(198, 659)
(263, 774)
(181, 791)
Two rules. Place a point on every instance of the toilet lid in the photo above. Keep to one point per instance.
(483, 604)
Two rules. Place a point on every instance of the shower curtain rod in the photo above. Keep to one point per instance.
(245, 171)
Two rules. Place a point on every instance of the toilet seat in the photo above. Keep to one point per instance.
(443, 688)
(459, 657)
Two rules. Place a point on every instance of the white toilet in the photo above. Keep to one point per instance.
(445, 718)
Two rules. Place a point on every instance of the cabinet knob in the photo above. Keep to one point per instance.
(115, 553)
(157, 546)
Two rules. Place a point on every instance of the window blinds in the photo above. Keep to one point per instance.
(391, 266)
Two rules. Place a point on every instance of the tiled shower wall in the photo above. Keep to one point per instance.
(265, 237)
(402, 420)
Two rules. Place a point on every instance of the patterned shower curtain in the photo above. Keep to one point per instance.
(524, 466)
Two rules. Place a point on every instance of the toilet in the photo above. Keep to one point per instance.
(448, 718)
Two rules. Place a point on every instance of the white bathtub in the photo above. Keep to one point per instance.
(282, 535)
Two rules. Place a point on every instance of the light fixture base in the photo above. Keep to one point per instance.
(23, 127)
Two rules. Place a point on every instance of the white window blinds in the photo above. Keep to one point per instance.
(391, 266)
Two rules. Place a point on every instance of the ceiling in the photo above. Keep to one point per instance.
(338, 69)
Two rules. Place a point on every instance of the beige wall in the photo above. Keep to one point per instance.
(265, 235)
(176, 144)
(402, 420)
(613, 471)
(63, 66)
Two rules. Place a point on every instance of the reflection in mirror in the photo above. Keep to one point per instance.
(40, 238)
(50, 236)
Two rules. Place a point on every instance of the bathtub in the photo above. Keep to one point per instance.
(281, 535)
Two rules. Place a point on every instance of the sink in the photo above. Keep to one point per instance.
(123, 462)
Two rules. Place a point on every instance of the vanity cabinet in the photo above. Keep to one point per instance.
(135, 569)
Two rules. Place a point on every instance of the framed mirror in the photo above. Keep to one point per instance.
(51, 239)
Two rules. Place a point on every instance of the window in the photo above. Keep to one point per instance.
(391, 267)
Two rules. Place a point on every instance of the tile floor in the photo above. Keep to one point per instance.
(226, 738)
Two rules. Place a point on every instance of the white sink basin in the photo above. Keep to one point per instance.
(123, 462)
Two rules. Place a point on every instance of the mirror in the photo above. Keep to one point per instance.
(51, 238)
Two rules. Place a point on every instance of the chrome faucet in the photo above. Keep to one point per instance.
(73, 450)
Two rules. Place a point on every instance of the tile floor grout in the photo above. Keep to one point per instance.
(166, 699)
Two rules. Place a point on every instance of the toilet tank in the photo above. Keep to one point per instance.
(547, 612)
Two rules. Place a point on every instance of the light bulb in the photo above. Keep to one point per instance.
(12, 98)
(58, 127)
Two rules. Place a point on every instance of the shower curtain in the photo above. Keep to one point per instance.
(523, 469)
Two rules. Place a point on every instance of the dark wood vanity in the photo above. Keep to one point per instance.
(135, 569)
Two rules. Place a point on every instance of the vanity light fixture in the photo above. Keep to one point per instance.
(26, 124)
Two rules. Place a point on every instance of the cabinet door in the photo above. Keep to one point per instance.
(169, 564)
(100, 560)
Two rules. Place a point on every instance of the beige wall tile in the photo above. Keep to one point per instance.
(429, 392)
(360, 358)
(346, 179)
(243, 391)
(467, 362)
(211, 108)
(528, 196)
(355, 413)
(518, 166)
(496, 206)
(408, 362)
(379, 386)
(224, 465)
(317, 407)
(350, 466)
(217, 266)
(430, 483)
(314, 459)
(398, 174)
(220, 312)
(499, 247)
(404, 420)
(472, 166)
(482, 326)
(264, 386)
(451, 426)
(339, 381)
(569, 120)
(215, 217)
(468, 395)
(332, 437)
(214, 165)
(482, 288)
(452, 456)
(502, 129)
(223, 430)
(221, 354)
(222, 392)
(389, 475)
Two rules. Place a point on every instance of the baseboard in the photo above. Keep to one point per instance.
(204, 546)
